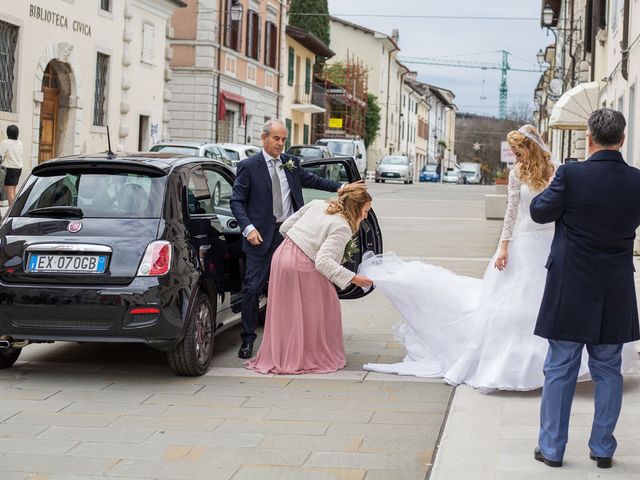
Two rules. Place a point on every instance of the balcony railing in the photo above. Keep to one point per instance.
(309, 95)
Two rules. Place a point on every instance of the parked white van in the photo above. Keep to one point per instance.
(342, 147)
(470, 172)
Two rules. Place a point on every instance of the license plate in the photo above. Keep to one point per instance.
(44, 262)
(387, 174)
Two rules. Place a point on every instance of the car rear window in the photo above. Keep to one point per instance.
(339, 148)
(98, 195)
(306, 152)
(395, 161)
(233, 155)
(176, 149)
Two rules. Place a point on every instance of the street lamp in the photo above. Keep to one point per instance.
(547, 16)
(540, 56)
(236, 12)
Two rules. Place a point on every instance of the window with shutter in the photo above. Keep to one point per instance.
(288, 125)
(305, 134)
(148, 32)
(271, 44)
(234, 31)
(292, 60)
(307, 77)
(253, 35)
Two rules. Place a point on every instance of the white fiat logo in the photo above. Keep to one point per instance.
(74, 227)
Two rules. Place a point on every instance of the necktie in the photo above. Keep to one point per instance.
(276, 190)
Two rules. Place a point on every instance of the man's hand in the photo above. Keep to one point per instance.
(359, 182)
(254, 237)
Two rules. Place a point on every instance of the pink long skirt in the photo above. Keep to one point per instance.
(303, 328)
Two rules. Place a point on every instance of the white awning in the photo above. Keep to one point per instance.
(307, 108)
(573, 108)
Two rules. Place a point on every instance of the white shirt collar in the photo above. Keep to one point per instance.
(267, 157)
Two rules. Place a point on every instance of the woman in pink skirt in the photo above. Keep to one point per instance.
(303, 329)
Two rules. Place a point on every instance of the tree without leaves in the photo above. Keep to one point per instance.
(372, 120)
(316, 24)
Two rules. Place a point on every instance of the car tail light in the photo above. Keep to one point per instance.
(156, 260)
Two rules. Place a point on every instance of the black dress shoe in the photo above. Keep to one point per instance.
(246, 350)
(537, 454)
(602, 462)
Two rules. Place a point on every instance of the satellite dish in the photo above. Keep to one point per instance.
(555, 87)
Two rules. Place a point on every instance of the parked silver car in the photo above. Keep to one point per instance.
(196, 149)
(394, 167)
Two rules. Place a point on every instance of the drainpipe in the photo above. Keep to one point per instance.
(624, 45)
(222, 33)
(386, 128)
(400, 108)
(281, 35)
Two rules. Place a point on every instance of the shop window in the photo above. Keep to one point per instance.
(100, 95)
(8, 42)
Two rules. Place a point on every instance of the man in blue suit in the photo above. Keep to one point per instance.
(589, 296)
(267, 190)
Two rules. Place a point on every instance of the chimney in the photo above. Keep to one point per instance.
(395, 35)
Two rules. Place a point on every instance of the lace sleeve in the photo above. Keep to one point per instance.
(513, 202)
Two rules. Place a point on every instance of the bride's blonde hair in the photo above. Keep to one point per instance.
(350, 202)
(534, 166)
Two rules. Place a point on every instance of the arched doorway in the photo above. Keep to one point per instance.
(49, 114)
(57, 116)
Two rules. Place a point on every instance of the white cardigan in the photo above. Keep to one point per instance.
(323, 238)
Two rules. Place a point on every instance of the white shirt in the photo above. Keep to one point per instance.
(287, 204)
(11, 153)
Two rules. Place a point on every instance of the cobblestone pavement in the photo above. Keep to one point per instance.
(85, 412)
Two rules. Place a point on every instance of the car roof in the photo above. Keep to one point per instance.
(238, 145)
(159, 161)
(308, 146)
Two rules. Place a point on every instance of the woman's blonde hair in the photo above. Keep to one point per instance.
(534, 165)
(350, 202)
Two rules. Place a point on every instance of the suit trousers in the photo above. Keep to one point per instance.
(561, 368)
(255, 281)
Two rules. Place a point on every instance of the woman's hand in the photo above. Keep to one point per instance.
(503, 258)
(362, 281)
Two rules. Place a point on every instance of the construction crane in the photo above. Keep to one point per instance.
(504, 67)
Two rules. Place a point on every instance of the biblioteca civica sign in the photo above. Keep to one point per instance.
(58, 20)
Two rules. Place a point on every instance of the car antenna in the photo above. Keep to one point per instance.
(110, 153)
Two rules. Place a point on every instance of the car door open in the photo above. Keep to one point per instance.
(369, 237)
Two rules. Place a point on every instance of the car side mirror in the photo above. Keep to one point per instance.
(359, 156)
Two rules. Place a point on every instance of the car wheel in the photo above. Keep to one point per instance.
(8, 356)
(377, 180)
(192, 356)
(382, 181)
(216, 194)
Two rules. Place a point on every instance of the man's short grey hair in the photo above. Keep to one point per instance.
(606, 127)
(266, 128)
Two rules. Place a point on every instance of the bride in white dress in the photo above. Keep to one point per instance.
(480, 332)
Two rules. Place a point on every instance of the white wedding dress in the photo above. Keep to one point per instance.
(471, 331)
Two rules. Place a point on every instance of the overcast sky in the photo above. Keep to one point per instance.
(420, 37)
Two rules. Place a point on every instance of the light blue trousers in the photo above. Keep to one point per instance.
(561, 369)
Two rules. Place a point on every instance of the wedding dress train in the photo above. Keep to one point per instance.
(472, 331)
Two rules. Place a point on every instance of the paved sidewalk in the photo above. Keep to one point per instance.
(492, 437)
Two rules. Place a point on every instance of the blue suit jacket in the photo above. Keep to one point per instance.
(252, 201)
(590, 295)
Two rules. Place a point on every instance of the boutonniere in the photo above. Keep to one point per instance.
(350, 249)
(289, 165)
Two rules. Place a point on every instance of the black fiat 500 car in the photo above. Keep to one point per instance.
(131, 249)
